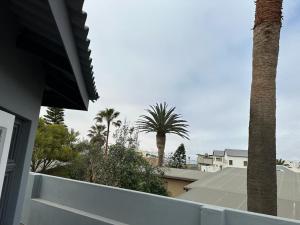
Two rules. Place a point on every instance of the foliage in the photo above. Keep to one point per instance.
(54, 115)
(53, 145)
(127, 136)
(126, 168)
(83, 167)
(97, 134)
(163, 120)
(178, 159)
(123, 167)
(280, 161)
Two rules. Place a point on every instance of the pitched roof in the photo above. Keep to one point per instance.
(215, 189)
(236, 152)
(218, 153)
(183, 174)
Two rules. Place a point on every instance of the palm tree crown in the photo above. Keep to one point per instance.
(97, 134)
(163, 121)
(109, 115)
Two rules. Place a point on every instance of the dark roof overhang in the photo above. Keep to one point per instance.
(55, 31)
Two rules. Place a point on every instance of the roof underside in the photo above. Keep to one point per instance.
(39, 35)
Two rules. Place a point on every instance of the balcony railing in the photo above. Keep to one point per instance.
(207, 161)
(58, 201)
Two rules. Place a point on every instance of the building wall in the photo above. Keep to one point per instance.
(209, 168)
(21, 90)
(175, 187)
(223, 162)
(238, 162)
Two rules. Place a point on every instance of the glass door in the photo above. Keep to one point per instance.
(6, 129)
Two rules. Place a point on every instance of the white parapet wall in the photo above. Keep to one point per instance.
(58, 201)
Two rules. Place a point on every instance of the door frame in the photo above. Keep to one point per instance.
(6, 123)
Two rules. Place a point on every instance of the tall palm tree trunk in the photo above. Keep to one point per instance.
(160, 143)
(261, 178)
(107, 136)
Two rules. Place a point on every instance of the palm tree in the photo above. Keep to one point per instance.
(261, 178)
(280, 161)
(162, 120)
(97, 133)
(110, 116)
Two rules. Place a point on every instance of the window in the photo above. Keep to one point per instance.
(218, 159)
(245, 163)
(230, 163)
(2, 138)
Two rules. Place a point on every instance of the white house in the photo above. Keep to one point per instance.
(222, 159)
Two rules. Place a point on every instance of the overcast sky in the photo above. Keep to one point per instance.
(195, 55)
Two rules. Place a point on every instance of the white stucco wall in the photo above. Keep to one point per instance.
(237, 162)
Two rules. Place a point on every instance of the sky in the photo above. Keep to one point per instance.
(196, 56)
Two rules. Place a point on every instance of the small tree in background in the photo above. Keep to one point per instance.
(53, 145)
(126, 135)
(126, 168)
(178, 159)
(54, 115)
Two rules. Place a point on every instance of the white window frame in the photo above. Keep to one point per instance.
(6, 124)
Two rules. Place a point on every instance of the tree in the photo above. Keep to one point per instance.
(54, 115)
(261, 178)
(126, 168)
(162, 121)
(123, 167)
(280, 162)
(53, 145)
(127, 136)
(110, 116)
(178, 159)
(97, 134)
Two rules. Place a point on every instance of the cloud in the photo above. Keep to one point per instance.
(195, 56)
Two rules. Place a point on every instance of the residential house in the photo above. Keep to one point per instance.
(222, 159)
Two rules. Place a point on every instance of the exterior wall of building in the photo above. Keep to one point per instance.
(220, 162)
(209, 168)
(237, 162)
(21, 90)
(175, 187)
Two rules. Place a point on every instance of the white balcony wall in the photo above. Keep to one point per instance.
(58, 201)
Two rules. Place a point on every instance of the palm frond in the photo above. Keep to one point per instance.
(163, 120)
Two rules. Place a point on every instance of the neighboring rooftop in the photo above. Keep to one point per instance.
(230, 152)
(236, 152)
(183, 174)
(218, 153)
(227, 188)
